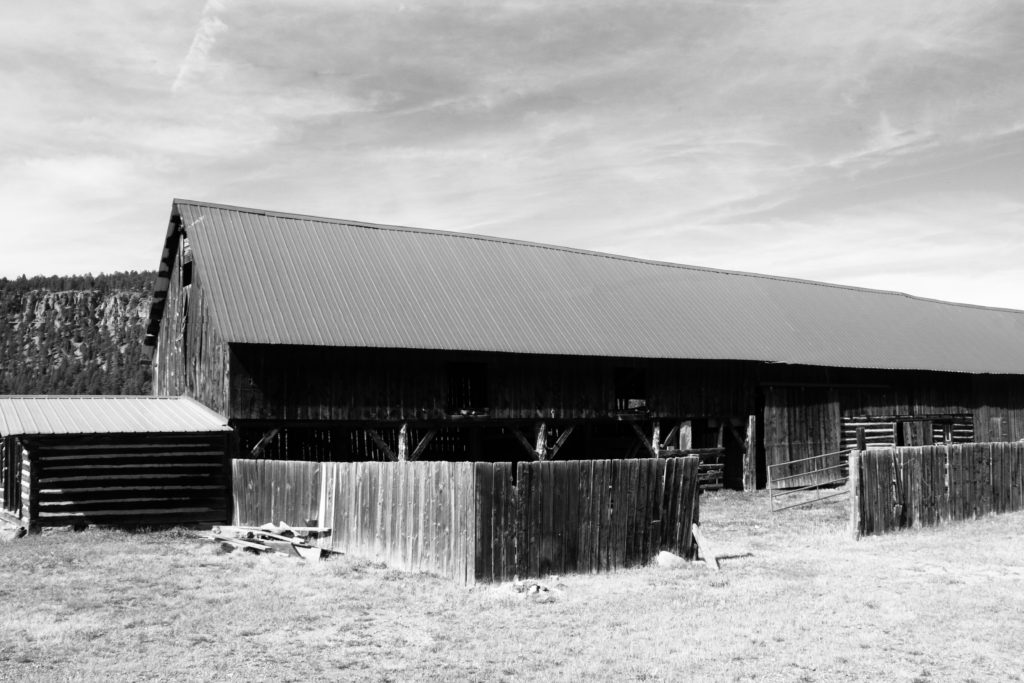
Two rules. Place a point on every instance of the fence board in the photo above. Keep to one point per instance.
(937, 484)
(475, 521)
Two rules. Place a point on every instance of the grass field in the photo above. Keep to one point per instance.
(796, 600)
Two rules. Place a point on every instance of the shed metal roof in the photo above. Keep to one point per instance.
(46, 415)
(275, 278)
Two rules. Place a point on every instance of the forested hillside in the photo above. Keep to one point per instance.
(74, 335)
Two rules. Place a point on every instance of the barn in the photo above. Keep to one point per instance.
(118, 460)
(335, 340)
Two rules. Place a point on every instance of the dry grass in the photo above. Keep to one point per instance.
(797, 600)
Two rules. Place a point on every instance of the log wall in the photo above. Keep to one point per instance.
(130, 480)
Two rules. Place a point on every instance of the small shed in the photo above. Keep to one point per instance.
(119, 460)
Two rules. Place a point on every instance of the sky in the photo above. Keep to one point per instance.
(868, 143)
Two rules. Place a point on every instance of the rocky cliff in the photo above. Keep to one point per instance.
(74, 335)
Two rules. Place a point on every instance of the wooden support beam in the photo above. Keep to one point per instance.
(672, 434)
(403, 442)
(750, 455)
(382, 445)
(643, 439)
(542, 442)
(523, 441)
(422, 445)
(656, 438)
(261, 445)
(560, 441)
(686, 436)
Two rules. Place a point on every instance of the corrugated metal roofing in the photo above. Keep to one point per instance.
(39, 415)
(283, 279)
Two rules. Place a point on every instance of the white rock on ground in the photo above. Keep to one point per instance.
(667, 559)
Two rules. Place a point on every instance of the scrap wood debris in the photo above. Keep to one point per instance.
(290, 541)
(534, 590)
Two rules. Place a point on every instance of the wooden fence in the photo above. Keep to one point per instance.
(482, 521)
(896, 488)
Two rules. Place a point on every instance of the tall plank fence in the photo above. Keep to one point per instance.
(482, 521)
(898, 488)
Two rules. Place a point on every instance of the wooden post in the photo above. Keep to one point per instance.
(685, 436)
(403, 442)
(862, 439)
(750, 455)
(656, 439)
(542, 442)
(854, 465)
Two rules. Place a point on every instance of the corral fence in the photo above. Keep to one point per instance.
(827, 471)
(475, 521)
(897, 488)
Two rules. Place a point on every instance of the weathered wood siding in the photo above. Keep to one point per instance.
(482, 521)
(10, 476)
(274, 491)
(800, 422)
(581, 517)
(304, 383)
(131, 479)
(190, 358)
(925, 486)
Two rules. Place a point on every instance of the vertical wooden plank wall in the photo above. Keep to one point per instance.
(476, 521)
(584, 516)
(273, 491)
(931, 485)
(415, 516)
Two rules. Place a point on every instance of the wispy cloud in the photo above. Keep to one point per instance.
(694, 131)
(210, 26)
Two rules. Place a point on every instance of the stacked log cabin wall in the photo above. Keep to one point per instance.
(130, 479)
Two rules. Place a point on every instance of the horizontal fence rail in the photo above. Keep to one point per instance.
(482, 521)
(898, 488)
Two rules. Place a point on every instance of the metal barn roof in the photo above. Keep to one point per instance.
(46, 415)
(276, 278)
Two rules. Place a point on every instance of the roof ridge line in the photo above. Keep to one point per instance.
(584, 252)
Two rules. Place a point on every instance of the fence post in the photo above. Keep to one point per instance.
(854, 466)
